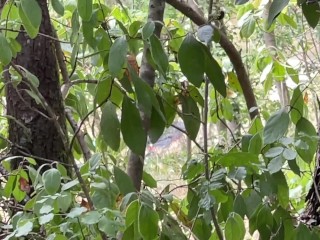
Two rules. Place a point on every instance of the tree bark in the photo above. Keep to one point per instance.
(39, 136)
(147, 74)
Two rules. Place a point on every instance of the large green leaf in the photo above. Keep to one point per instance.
(131, 127)
(311, 11)
(32, 11)
(283, 189)
(235, 229)
(238, 159)
(30, 14)
(214, 72)
(110, 126)
(51, 180)
(6, 54)
(118, 55)
(58, 6)
(158, 54)
(85, 9)
(190, 116)
(192, 60)
(307, 134)
(276, 126)
(247, 28)
(297, 105)
(157, 126)
(148, 220)
(275, 9)
(123, 181)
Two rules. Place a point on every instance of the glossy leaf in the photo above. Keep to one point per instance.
(148, 30)
(283, 189)
(149, 180)
(58, 7)
(148, 222)
(123, 181)
(192, 60)
(158, 54)
(191, 116)
(131, 127)
(238, 159)
(51, 180)
(276, 126)
(118, 55)
(307, 134)
(85, 9)
(6, 54)
(311, 11)
(214, 72)
(275, 9)
(110, 126)
(32, 12)
(297, 105)
(235, 229)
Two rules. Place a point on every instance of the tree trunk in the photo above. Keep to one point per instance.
(39, 137)
(147, 74)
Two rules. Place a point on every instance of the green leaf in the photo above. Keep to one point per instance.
(275, 9)
(238, 159)
(157, 126)
(51, 180)
(148, 30)
(149, 180)
(110, 126)
(192, 60)
(248, 27)
(131, 127)
(190, 116)
(31, 15)
(289, 154)
(235, 229)
(58, 7)
(274, 152)
(297, 105)
(123, 181)
(158, 54)
(148, 222)
(132, 212)
(283, 189)
(85, 9)
(118, 55)
(311, 11)
(275, 164)
(76, 212)
(24, 227)
(276, 126)
(90, 218)
(64, 201)
(306, 133)
(87, 29)
(6, 54)
(10, 14)
(294, 75)
(255, 144)
(214, 72)
(134, 28)
(45, 218)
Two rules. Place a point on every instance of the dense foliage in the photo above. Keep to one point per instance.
(250, 176)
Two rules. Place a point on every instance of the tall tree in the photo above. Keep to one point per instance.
(32, 129)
